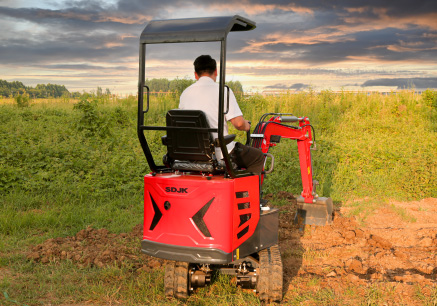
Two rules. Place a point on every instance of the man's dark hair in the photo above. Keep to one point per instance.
(205, 64)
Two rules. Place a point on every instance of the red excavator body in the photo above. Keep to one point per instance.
(202, 214)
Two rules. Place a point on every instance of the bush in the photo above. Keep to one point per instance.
(92, 122)
(22, 100)
(430, 98)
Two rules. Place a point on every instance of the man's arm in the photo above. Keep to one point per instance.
(240, 123)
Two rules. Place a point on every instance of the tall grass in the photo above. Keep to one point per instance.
(368, 145)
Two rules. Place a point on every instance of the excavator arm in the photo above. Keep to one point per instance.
(312, 209)
(268, 133)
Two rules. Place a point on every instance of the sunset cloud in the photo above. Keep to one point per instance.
(296, 43)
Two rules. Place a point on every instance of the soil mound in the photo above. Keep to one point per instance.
(348, 249)
(96, 247)
(385, 249)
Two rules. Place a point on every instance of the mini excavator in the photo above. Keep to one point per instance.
(201, 214)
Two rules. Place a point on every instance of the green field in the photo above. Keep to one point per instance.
(69, 164)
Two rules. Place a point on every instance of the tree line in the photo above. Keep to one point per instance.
(16, 88)
(12, 89)
(178, 85)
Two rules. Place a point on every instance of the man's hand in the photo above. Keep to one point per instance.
(240, 123)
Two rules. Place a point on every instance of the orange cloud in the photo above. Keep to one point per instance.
(255, 9)
(385, 20)
(375, 61)
(398, 48)
(307, 38)
(133, 19)
(356, 9)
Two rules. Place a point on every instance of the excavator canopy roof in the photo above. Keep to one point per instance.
(194, 29)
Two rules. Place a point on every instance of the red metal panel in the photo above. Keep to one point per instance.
(306, 170)
(186, 195)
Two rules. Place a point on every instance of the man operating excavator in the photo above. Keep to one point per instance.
(204, 95)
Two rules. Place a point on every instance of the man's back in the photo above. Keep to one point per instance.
(204, 95)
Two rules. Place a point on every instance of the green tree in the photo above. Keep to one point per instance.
(236, 87)
(178, 85)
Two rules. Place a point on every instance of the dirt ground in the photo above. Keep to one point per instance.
(397, 244)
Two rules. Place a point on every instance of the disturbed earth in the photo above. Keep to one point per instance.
(396, 244)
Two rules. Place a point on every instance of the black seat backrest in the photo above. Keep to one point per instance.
(188, 145)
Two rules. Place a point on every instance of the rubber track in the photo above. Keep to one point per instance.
(169, 279)
(262, 286)
(276, 274)
(269, 284)
(181, 280)
(176, 279)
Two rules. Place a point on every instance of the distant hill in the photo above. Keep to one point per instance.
(14, 88)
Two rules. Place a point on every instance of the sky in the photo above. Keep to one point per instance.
(371, 45)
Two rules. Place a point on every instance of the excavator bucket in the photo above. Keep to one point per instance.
(317, 213)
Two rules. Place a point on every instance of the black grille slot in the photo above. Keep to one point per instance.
(244, 218)
(157, 216)
(242, 194)
(244, 205)
(243, 232)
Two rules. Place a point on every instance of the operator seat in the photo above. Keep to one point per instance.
(191, 149)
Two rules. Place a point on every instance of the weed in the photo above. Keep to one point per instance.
(427, 295)
(311, 293)
(314, 281)
(363, 208)
(403, 213)
(311, 255)
(373, 295)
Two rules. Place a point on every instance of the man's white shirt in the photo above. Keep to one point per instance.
(204, 95)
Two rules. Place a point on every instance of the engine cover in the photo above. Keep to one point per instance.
(198, 218)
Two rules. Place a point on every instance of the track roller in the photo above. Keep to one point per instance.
(199, 276)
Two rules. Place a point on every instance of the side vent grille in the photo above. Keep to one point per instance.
(157, 216)
(243, 217)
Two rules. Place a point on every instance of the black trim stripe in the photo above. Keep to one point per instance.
(157, 216)
(198, 219)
